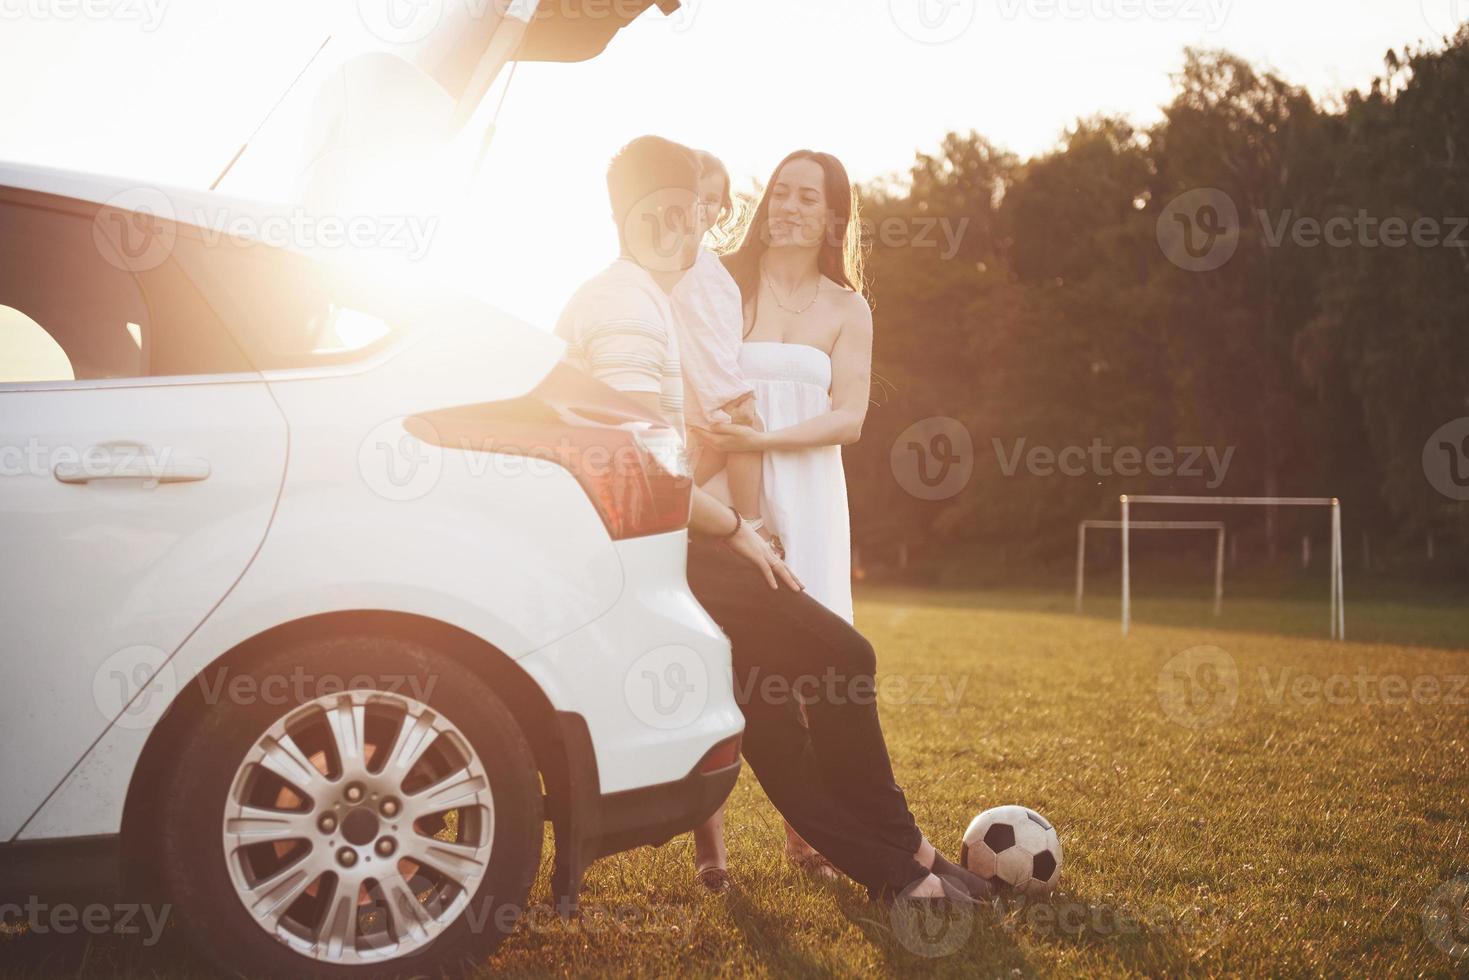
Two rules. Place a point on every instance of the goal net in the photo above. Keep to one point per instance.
(1338, 602)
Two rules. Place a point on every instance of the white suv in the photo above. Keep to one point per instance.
(321, 595)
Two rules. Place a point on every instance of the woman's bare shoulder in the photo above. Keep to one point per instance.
(856, 312)
(846, 299)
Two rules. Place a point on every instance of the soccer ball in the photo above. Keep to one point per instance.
(1015, 849)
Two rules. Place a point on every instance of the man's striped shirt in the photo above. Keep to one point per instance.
(619, 328)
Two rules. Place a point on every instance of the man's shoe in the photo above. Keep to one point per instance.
(979, 889)
(954, 894)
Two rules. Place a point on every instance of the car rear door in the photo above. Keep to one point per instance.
(140, 461)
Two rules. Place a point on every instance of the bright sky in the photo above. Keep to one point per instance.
(166, 89)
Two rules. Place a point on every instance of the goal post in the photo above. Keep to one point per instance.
(1216, 526)
(1338, 596)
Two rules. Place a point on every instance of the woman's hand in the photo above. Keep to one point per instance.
(728, 437)
(751, 547)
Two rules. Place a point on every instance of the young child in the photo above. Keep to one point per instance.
(711, 323)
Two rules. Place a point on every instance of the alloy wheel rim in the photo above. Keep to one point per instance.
(358, 827)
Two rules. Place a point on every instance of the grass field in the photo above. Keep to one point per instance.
(1273, 804)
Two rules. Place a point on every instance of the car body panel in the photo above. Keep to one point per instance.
(118, 571)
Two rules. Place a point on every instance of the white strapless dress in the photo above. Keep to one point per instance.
(804, 491)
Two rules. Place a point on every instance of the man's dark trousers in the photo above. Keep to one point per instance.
(833, 781)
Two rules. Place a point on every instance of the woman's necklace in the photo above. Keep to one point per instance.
(773, 292)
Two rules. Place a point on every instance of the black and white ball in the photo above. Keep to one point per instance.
(1015, 849)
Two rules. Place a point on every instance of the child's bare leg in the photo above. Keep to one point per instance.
(707, 462)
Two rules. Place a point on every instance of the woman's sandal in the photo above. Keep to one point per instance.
(717, 880)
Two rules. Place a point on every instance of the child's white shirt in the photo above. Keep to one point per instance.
(710, 317)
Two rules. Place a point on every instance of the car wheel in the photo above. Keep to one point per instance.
(354, 805)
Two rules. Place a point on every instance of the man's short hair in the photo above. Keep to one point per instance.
(645, 166)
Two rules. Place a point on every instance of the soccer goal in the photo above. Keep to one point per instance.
(1216, 526)
(1338, 598)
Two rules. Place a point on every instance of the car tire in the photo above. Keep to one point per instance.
(233, 828)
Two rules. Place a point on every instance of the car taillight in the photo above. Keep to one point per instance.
(722, 756)
(631, 464)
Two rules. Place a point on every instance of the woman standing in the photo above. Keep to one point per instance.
(807, 353)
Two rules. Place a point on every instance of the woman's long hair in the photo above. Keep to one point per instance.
(841, 254)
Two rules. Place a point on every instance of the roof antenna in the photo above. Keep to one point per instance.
(256, 132)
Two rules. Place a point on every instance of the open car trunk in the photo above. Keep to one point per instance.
(380, 121)
(472, 41)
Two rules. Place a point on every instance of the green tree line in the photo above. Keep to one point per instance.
(1258, 273)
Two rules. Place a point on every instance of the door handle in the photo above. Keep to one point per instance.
(132, 464)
